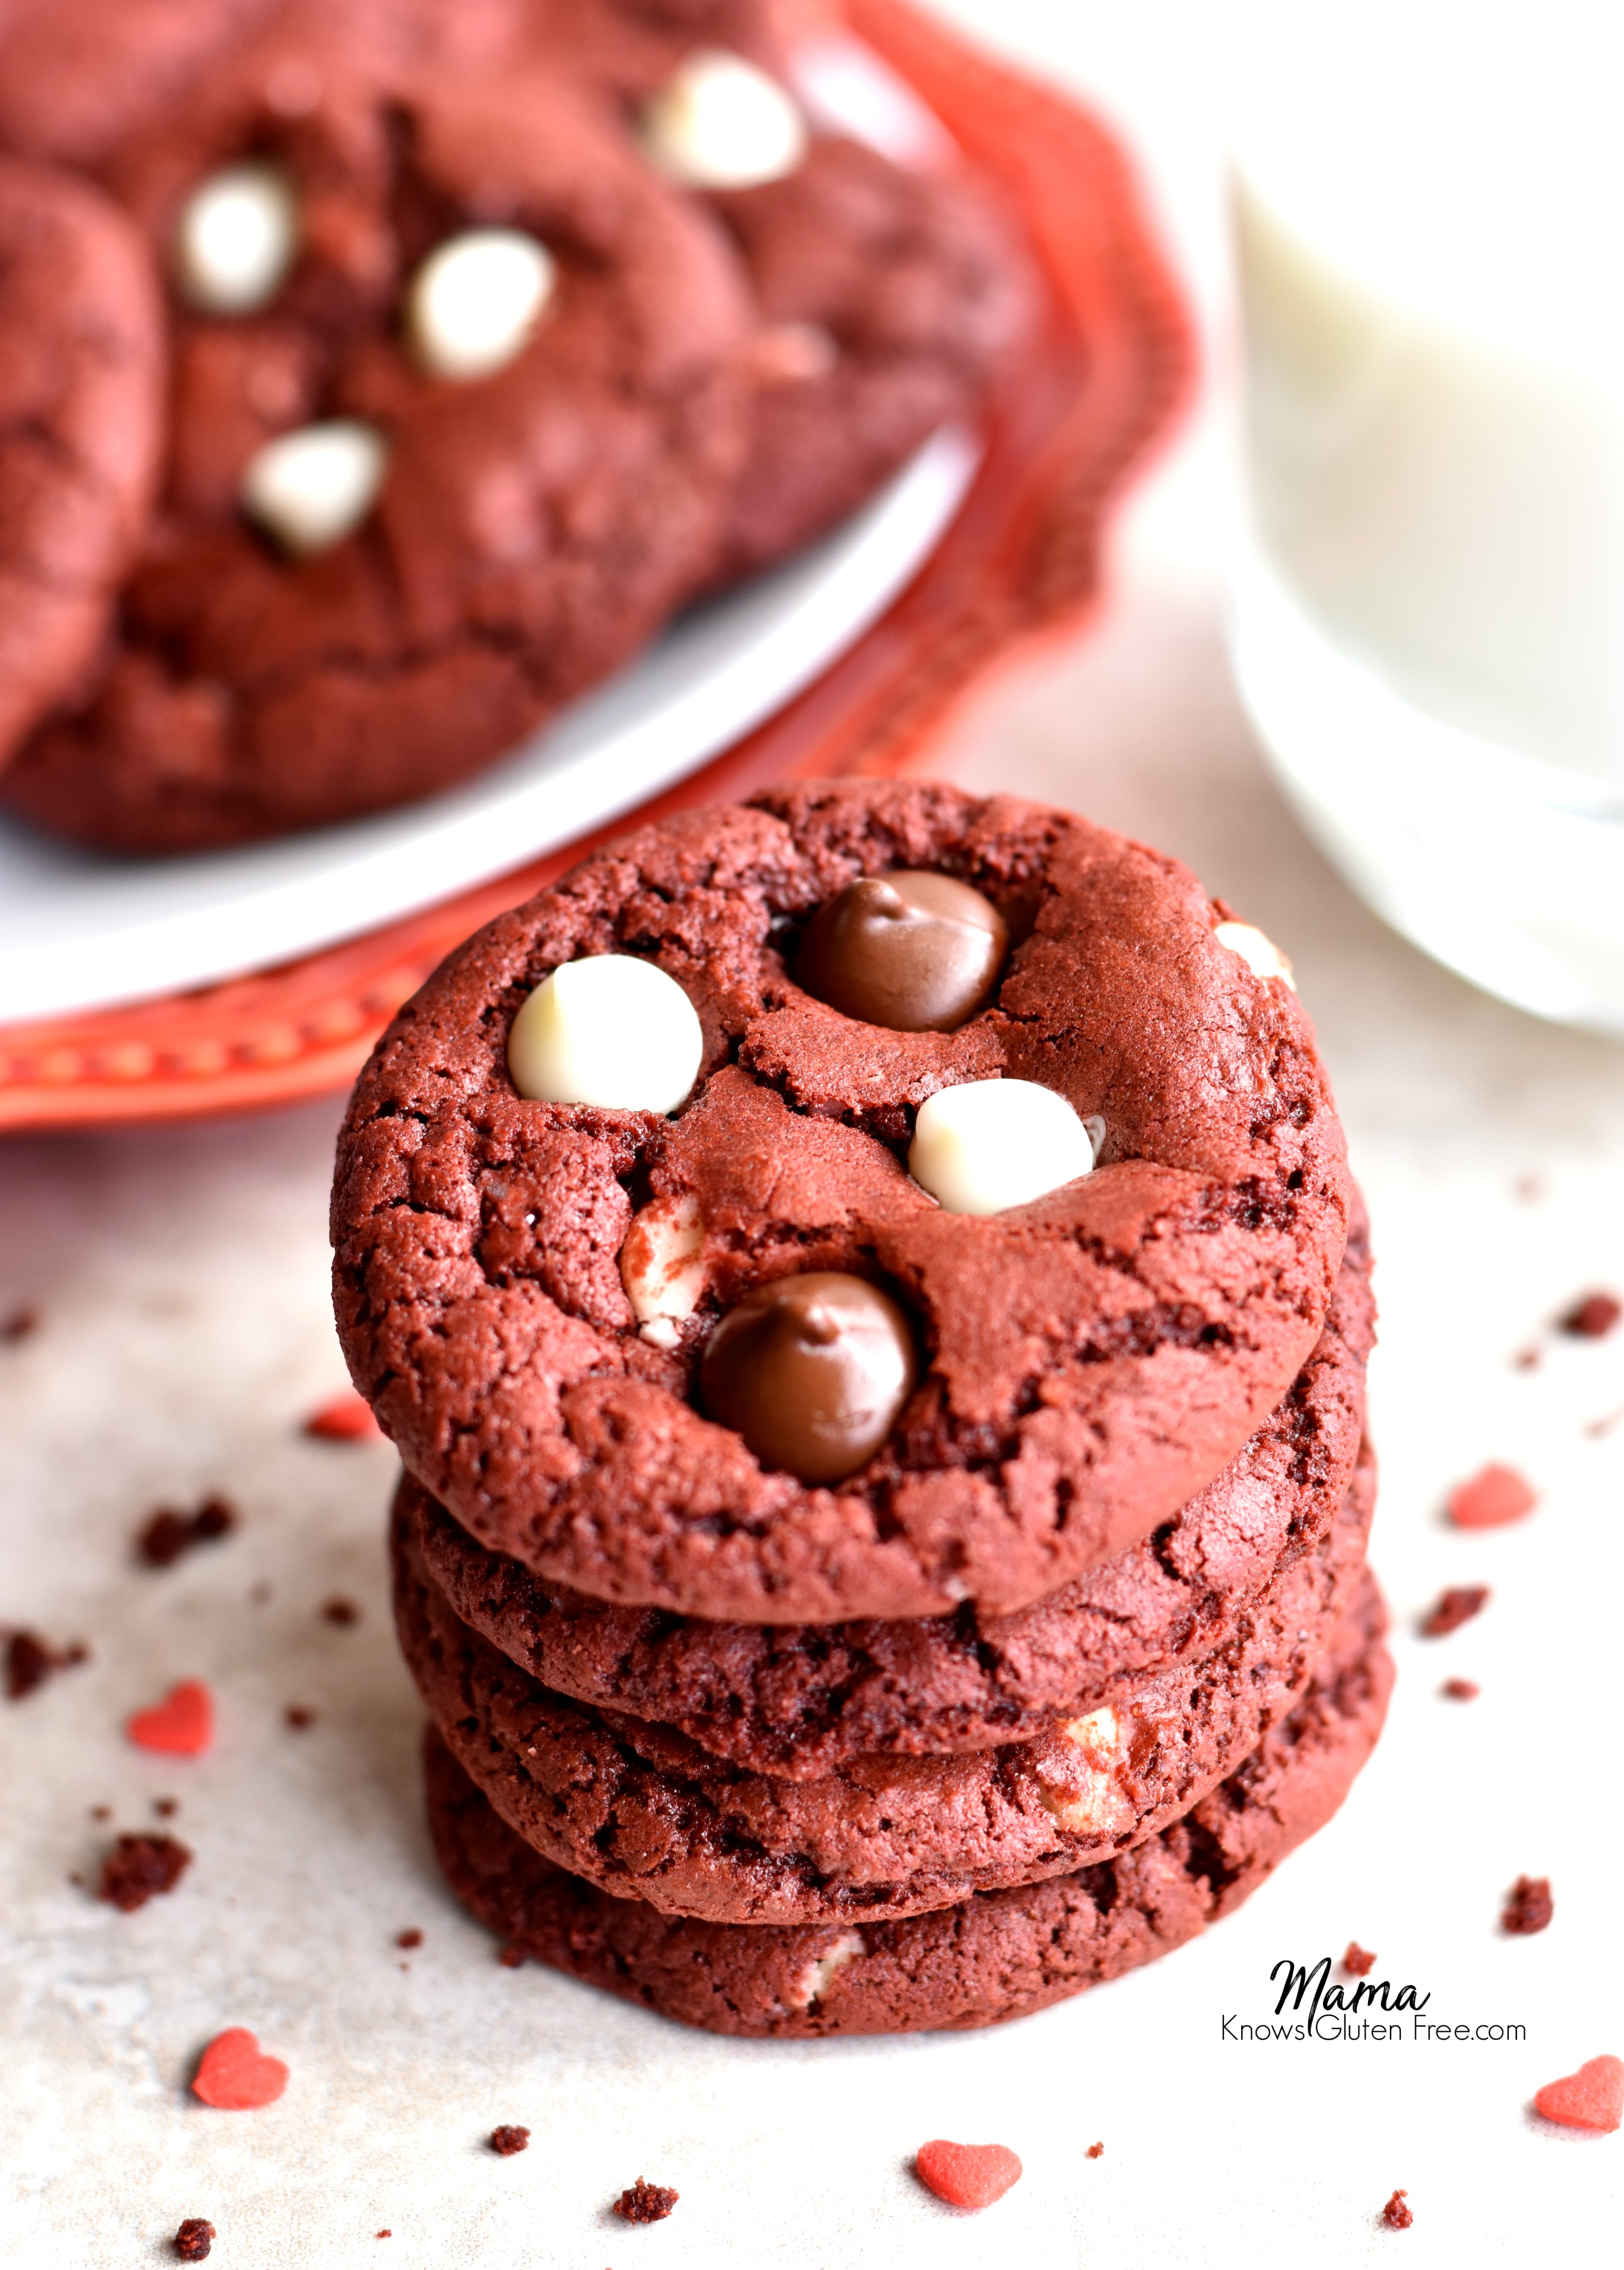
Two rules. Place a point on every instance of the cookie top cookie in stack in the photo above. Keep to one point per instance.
(531, 1290)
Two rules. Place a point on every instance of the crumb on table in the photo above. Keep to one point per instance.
(1593, 1317)
(505, 2141)
(1396, 2214)
(1094, 2152)
(413, 1938)
(1529, 1906)
(1461, 1690)
(166, 1535)
(194, 2239)
(1358, 1960)
(340, 1611)
(1454, 1607)
(139, 1868)
(19, 1324)
(297, 1717)
(645, 2203)
(30, 1661)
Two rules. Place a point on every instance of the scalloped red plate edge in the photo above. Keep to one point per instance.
(1019, 561)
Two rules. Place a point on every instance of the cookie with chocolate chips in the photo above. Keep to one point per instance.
(800, 1702)
(997, 1956)
(645, 1813)
(457, 409)
(81, 392)
(525, 1288)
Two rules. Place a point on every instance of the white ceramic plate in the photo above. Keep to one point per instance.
(78, 931)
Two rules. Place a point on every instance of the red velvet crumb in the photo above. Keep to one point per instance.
(1461, 1690)
(506, 2142)
(1593, 1318)
(167, 1535)
(139, 1868)
(30, 1661)
(1358, 1960)
(1396, 2214)
(1452, 1608)
(1529, 1906)
(645, 2203)
(194, 2239)
(340, 1611)
(1093, 2151)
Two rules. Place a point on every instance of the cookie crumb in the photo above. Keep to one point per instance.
(165, 1808)
(645, 2203)
(1461, 1690)
(101, 1813)
(413, 1938)
(297, 1717)
(1453, 1607)
(167, 1535)
(1358, 1960)
(1593, 1318)
(1494, 1496)
(386, 2234)
(1526, 1359)
(340, 1611)
(1094, 2152)
(19, 1324)
(506, 2142)
(194, 2239)
(1396, 2214)
(1529, 1906)
(139, 1868)
(346, 1419)
(30, 1661)
(511, 1958)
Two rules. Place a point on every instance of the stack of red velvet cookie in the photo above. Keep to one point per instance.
(868, 1293)
(377, 376)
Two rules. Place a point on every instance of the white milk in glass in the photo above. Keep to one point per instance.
(1428, 628)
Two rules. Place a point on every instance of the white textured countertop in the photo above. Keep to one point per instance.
(181, 1285)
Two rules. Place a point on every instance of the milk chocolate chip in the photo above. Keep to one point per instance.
(812, 1371)
(914, 951)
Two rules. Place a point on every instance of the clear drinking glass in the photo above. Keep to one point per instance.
(1428, 621)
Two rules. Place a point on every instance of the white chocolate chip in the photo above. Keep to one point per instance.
(475, 302)
(235, 239)
(311, 487)
(792, 354)
(662, 1267)
(819, 1974)
(1077, 1775)
(992, 1144)
(1260, 955)
(610, 1031)
(720, 123)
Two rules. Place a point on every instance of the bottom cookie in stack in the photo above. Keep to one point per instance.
(995, 1955)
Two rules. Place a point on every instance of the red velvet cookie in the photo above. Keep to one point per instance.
(436, 554)
(645, 1813)
(1088, 1362)
(800, 1700)
(998, 1955)
(81, 385)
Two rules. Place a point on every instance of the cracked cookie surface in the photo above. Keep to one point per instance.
(997, 1956)
(81, 391)
(533, 527)
(1088, 1361)
(643, 1813)
(798, 1702)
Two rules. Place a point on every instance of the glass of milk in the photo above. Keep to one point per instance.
(1428, 622)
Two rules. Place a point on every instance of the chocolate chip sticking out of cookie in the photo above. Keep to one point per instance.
(608, 1030)
(720, 123)
(811, 1370)
(988, 1144)
(477, 299)
(236, 238)
(915, 951)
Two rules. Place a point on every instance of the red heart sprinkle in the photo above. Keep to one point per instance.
(1491, 1498)
(346, 1419)
(234, 2074)
(182, 1724)
(967, 2175)
(1593, 2097)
